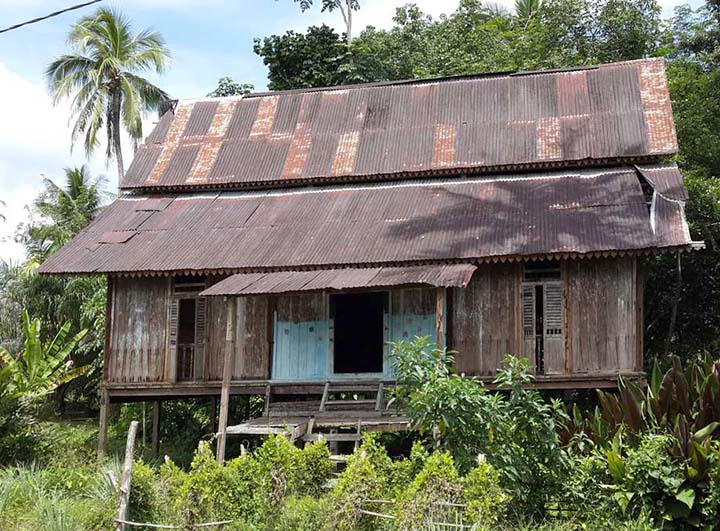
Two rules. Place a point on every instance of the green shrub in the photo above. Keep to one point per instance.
(144, 500)
(307, 513)
(647, 479)
(433, 495)
(517, 431)
(364, 478)
(315, 469)
(486, 502)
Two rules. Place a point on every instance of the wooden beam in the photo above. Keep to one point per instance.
(227, 375)
(108, 328)
(102, 432)
(440, 294)
(156, 428)
(126, 477)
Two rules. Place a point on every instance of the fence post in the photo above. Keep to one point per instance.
(126, 476)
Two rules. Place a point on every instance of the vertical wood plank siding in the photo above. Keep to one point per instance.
(602, 302)
(601, 321)
(252, 348)
(138, 338)
(485, 320)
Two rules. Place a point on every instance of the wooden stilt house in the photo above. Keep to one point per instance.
(274, 243)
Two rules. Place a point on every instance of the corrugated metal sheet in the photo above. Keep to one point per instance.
(666, 180)
(498, 217)
(615, 111)
(447, 276)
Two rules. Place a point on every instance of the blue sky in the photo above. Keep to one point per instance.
(208, 38)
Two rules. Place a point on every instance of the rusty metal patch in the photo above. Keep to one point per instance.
(263, 123)
(444, 146)
(656, 107)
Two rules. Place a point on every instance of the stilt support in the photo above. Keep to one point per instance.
(102, 433)
(156, 428)
(227, 375)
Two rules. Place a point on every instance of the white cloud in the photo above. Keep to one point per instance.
(34, 142)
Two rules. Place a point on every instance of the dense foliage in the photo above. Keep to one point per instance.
(26, 377)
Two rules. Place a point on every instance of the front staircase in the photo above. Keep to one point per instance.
(344, 412)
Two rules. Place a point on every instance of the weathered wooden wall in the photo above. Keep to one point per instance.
(252, 345)
(138, 337)
(292, 336)
(602, 315)
(485, 319)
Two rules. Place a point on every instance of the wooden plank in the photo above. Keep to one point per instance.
(227, 374)
(602, 308)
(102, 432)
(440, 317)
(124, 501)
(486, 320)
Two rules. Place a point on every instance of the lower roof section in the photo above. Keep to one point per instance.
(566, 213)
(445, 276)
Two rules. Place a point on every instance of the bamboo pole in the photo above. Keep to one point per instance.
(126, 477)
(227, 374)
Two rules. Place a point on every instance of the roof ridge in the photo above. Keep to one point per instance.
(421, 81)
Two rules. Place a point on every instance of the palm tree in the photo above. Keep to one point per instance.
(526, 9)
(101, 76)
(63, 211)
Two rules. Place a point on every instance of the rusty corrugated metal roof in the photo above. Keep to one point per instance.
(446, 276)
(586, 116)
(569, 213)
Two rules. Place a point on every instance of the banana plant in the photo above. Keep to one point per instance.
(41, 366)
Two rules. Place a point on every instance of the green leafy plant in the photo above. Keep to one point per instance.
(41, 366)
(516, 429)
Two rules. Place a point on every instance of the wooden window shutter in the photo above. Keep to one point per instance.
(200, 320)
(528, 321)
(554, 324)
(553, 302)
(173, 336)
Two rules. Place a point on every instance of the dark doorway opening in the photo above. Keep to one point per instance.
(186, 339)
(358, 332)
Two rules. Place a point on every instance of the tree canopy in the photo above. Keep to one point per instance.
(101, 75)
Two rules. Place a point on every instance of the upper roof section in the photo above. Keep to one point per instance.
(590, 116)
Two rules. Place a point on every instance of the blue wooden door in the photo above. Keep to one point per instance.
(411, 314)
(301, 347)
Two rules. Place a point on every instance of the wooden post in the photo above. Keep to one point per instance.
(227, 375)
(126, 477)
(440, 317)
(102, 432)
(156, 428)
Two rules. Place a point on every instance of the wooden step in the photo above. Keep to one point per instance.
(333, 437)
(349, 401)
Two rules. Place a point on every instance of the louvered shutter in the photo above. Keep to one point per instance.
(528, 321)
(553, 309)
(554, 325)
(173, 335)
(200, 319)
